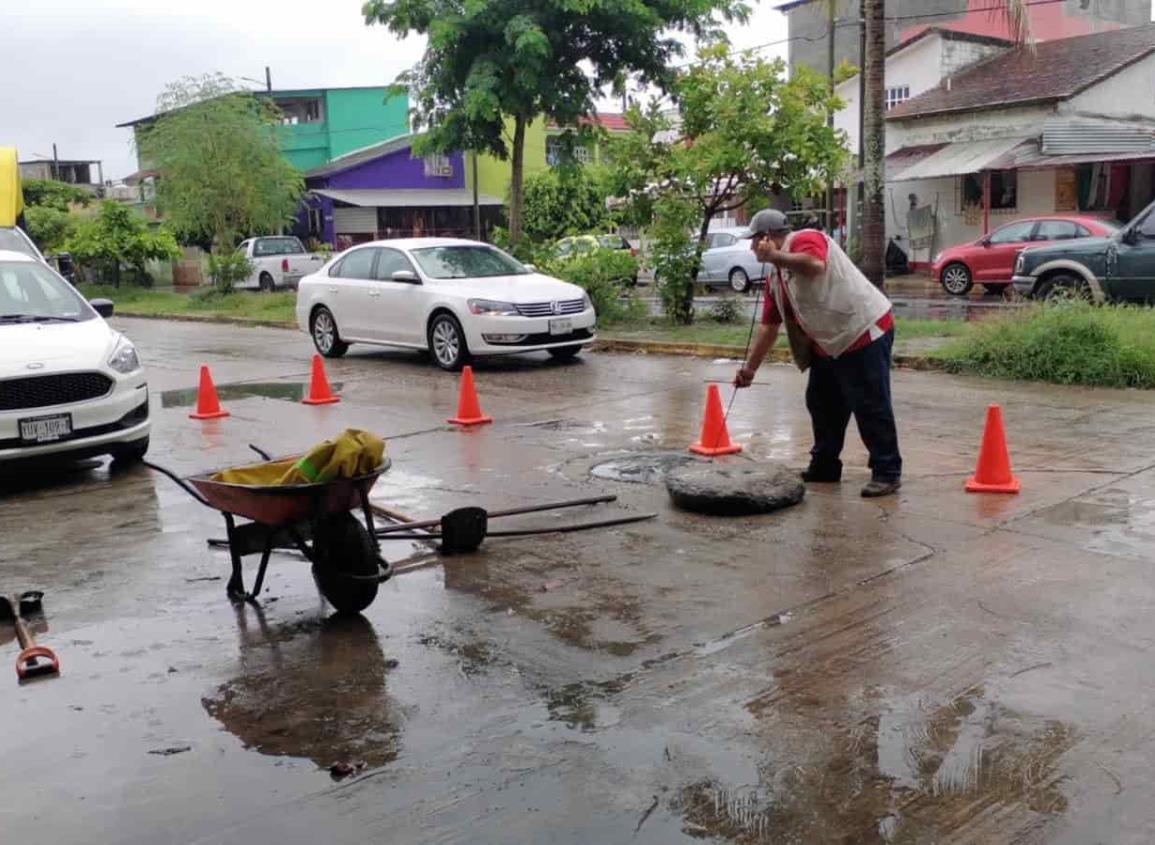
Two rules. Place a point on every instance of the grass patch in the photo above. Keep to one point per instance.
(1064, 343)
(731, 334)
(246, 305)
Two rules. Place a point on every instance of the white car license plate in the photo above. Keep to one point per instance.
(561, 326)
(46, 429)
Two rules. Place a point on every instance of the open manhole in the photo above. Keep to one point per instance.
(641, 467)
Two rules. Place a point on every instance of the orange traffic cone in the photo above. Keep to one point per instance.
(993, 473)
(715, 439)
(208, 405)
(319, 391)
(468, 407)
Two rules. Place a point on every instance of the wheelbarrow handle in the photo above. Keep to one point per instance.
(188, 488)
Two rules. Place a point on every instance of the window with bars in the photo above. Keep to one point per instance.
(896, 95)
(438, 164)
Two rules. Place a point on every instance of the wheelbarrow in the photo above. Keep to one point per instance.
(315, 519)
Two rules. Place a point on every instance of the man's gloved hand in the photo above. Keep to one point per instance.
(744, 377)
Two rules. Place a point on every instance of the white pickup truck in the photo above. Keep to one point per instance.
(278, 262)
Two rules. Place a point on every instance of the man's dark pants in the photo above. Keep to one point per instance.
(856, 383)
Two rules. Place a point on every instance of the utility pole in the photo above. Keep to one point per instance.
(830, 20)
(268, 79)
(55, 164)
(476, 200)
(874, 145)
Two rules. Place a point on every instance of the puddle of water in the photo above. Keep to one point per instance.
(315, 690)
(286, 390)
(641, 467)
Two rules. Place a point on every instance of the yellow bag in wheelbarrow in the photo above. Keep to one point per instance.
(351, 454)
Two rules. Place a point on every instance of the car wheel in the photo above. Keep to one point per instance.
(739, 281)
(956, 279)
(1063, 286)
(126, 454)
(325, 335)
(447, 342)
(267, 284)
(564, 353)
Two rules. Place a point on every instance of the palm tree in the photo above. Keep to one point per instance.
(1017, 15)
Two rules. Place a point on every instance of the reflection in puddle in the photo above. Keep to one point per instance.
(315, 690)
(1119, 521)
(971, 770)
(289, 391)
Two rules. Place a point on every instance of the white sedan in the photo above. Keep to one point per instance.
(454, 298)
(70, 385)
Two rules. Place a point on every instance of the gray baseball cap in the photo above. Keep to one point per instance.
(768, 220)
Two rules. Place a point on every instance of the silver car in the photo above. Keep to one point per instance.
(728, 260)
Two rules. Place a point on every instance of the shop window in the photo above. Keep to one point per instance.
(1004, 191)
(438, 164)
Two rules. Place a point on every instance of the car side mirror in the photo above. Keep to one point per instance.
(103, 307)
(986, 240)
(1130, 236)
(405, 276)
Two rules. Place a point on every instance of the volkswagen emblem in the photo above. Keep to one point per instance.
(555, 307)
(36, 365)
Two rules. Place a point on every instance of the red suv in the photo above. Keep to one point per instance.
(990, 260)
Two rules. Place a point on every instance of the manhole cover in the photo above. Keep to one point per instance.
(734, 489)
(642, 467)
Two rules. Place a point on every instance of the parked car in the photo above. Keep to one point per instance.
(578, 245)
(1119, 267)
(728, 260)
(278, 262)
(990, 260)
(455, 298)
(70, 385)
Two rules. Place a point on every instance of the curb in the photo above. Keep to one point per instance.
(602, 344)
(210, 318)
(715, 350)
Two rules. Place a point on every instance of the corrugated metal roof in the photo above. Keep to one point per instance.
(1064, 136)
(961, 158)
(364, 154)
(384, 198)
(1033, 159)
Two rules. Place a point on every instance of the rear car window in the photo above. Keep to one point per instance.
(278, 246)
(358, 264)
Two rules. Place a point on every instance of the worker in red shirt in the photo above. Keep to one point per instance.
(841, 329)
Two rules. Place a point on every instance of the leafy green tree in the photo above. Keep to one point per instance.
(48, 226)
(565, 201)
(49, 193)
(742, 131)
(222, 175)
(118, 237)
(493, 65)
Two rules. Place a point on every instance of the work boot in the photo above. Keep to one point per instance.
(881, 487)
(821, 476)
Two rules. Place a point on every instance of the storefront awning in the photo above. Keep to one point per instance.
(964, 157)
(1034, 160)
(384, 198)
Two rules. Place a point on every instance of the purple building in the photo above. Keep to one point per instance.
(383, 191)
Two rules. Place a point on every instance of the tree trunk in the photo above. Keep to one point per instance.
(516, 179)
(874, 144)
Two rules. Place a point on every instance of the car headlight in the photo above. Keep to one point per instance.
(124, 358)
(589, 303)
(937, 259)
(492, 308)
(1020, 263)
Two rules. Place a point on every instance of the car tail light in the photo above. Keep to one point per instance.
(284, 265)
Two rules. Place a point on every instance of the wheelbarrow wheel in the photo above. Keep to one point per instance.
(342, 546)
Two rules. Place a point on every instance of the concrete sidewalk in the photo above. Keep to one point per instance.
(935, 667)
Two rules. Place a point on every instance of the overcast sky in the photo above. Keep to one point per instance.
(86, 65)
(79, 67)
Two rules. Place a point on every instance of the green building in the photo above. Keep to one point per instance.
(321, 124)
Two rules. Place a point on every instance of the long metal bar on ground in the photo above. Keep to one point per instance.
(528, 532)
(433, 523)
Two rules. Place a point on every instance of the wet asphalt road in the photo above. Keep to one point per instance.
(932, 668)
